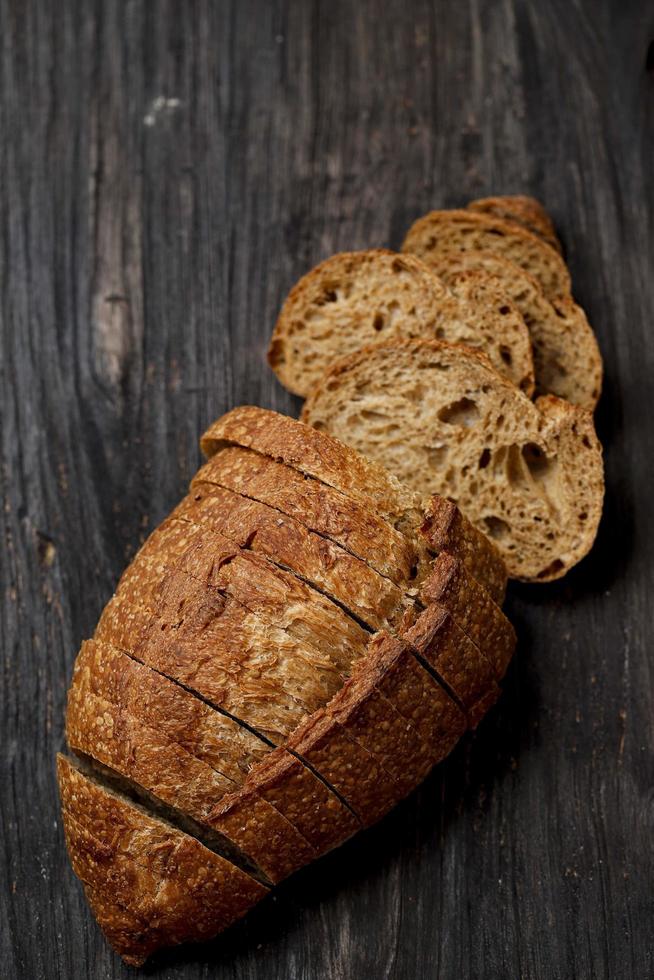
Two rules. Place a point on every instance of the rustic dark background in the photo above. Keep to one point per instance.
(167, 170)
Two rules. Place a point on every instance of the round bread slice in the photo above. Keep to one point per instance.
(567, 358)
(460, 231)
(357, 298)
(441, 419)
(524, 210)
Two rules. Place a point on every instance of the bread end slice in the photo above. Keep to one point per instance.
(524, 210)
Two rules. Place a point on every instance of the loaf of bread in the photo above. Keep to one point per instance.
(287, 657)
(441, 419)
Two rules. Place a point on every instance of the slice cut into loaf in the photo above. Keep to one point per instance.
(356, 298)
(460, 231)
(441, 419)
(319, 456)
(320, 508)
(524, 210)
(152, 884)
(362, 591)
(567, 358)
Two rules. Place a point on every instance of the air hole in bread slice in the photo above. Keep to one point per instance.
(436, 455)
(553, 568)
(463, 412)
(496, 527)
(537, 462)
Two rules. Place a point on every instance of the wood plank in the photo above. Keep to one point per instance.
(167, 171)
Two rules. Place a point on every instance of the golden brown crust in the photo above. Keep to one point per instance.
(126, 932)
(254, 831)
(319, 507)
(131, 861)
(365, 745)
(318, 455)
(266, 590)
(524, 210)
(366, 712)
(441, 231)
(307, 802)
(446, 529)
(157, 702)
(173, 760)
(349, 768)
(368, 595)
(394, 670)
(472, 609)
(459, 661)
(256, 672)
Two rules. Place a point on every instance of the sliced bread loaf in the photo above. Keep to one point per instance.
(524, 210)
(441, 419)
(567, 359)
(460, 231)
(356, 298)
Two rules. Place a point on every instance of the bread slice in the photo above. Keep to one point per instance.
(344, 743)
(320, 508)
(486, 319)
(318, 456)
(525, 211)
(567, 359)
(149, 760)
(460, 231)
(161, 715)
(356, 298)
(152, 884)
(442, 420)
(324, 565)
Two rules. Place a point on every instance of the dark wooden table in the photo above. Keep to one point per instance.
(167, 170)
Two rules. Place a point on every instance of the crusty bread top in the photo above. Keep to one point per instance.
(319, 455)
(174, 889)
(321, 508)
(356, 298)
(524, 210)
(447, 231)
(567, 359)
(440, 418)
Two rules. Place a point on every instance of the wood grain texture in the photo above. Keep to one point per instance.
(167, 171)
